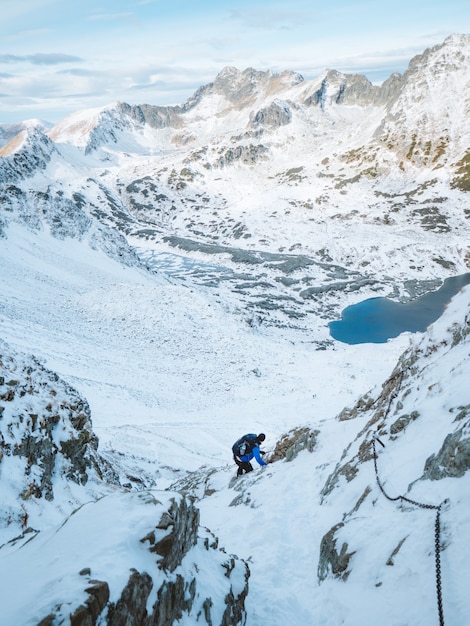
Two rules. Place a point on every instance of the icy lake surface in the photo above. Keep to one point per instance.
(378, 319)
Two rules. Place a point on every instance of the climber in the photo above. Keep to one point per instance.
(245, 449)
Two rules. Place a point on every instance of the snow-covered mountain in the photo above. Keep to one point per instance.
(9, 131)
(168, 275)
(273, 165)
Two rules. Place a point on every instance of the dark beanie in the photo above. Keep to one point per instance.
(261, 437)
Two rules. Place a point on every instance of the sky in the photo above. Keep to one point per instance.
(62, 56)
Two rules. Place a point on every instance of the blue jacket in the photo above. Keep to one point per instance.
(253, 449)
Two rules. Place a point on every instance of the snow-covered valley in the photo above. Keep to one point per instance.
(168, 275)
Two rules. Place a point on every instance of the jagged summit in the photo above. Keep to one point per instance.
(243, 87)
(25, 154)
(9, 131)
(441, 69)
(452, 52)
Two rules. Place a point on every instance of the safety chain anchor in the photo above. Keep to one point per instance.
(437, 529)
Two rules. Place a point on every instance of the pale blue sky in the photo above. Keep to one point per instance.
(60, 56)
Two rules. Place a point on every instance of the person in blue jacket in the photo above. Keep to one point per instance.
(244, 449)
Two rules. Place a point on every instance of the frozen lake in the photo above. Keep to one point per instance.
(378, 319)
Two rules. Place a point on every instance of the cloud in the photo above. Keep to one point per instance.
(40, 58)
(75, 71)
(110, 16)
(277, 18)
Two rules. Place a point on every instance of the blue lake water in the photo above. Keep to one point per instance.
(378, 319)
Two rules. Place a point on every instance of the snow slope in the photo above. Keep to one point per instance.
(156, 359)
(280, 516)
(131, 257)
(173, 378)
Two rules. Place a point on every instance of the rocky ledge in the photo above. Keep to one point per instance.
(133, 559)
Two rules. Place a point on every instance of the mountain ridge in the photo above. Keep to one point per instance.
(287, 166)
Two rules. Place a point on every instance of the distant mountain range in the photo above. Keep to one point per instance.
(370, 179)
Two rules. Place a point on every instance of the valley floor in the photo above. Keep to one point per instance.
(171, 375)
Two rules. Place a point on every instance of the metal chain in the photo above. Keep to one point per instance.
(437, 551)
(437, 530)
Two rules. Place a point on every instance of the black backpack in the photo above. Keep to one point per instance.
(244, 445)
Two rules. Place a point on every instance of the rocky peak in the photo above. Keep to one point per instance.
(339, 88)
(27, 152)
(154, 116)
(276, 114)
(236, 85)
(425, 123)
(390, 88)
(245, 86)
(451, 54)
(9, 131)
(93, 128)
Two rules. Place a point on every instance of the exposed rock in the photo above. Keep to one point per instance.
(10, 131)
(235, 600)
(131, 608)
(154, 116)
(24, 155)
(402, 422)
(453, 459)
(242, 87)
(363, 404)
(418, 134)
(277, 114)
(293, 442)
(391, 559)
(88, 613)
(348, 89)
(332, 560)
(247, 155)
(182, 522)
(176, 595)
(47, 424)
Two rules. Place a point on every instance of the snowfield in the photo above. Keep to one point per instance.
(161, 363)
(173, 272)
(173, 378)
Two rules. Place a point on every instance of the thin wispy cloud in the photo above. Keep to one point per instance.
(75, 71)
(40, 58)
(110, 16)
(275, 19)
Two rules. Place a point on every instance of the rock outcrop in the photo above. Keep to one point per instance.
(46, 436)
(185, 574)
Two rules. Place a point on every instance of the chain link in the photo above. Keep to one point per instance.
(438, 566)
(437, 530)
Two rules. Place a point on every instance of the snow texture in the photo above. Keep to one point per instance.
(140, 283)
